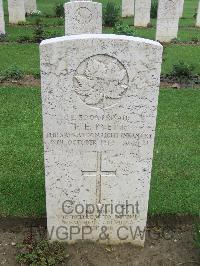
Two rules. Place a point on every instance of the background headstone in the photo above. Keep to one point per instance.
(198, 16)
(128, 7)
(16, 10)
(142, 13)
(2, 21)
(83, 17)
(99, 98)
(181, 8)
(167, 20)
(30, 6)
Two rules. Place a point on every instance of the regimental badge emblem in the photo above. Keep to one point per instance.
(101, 81)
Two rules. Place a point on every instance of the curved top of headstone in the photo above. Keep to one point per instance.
(100, 36)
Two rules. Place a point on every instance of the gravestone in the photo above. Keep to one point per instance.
(83, 17)
(2, 21)
(181, 7)
(99, 100)
(142, 13)
(167, 20)
(198, 16)
(128, 7)
(16, 10)
(30, 6)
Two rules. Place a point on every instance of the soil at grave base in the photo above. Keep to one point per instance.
(26, 81)
(30, 81)
(175, 248)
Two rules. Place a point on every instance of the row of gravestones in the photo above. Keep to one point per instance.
(17, 10)
(132, 8)
(169, 12)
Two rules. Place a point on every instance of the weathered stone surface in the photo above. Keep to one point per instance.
(142, 13)
(167, 20)
(2, 21)
(198, 16)
(16, 11)
(181, 7)
(128, 7)
(30, 6)
(99, 98)
(83, 17)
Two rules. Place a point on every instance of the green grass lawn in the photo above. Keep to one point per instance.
(176, 166)
(17, 54)
(24, 56)
(175, 53)
(21, 167)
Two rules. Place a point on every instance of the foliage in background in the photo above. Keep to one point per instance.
(52, 34)
(195, 13)
(42, 253)
(195, 39)
(182, 71)
(22, 23)
(175, 40)
(38, 31)
(123, 29)
(24, 39)
(36, 13)
(3, 38)
(59, 10)
(13, 72)
(111, 14)
(154, 8)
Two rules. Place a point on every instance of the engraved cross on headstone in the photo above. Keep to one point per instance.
(99, 173)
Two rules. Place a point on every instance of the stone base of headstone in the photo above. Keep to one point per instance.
(128, 7)
(83, 17)
(16, 10)
(142, 13)
(30, 6)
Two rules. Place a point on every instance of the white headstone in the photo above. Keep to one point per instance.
(198, 16)
(30, 6)
(142, 13)
(16, 11)
(181, 8)
(99, 98)
(128, 7)
(167, 20)
(2, 21)
(83, 17)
